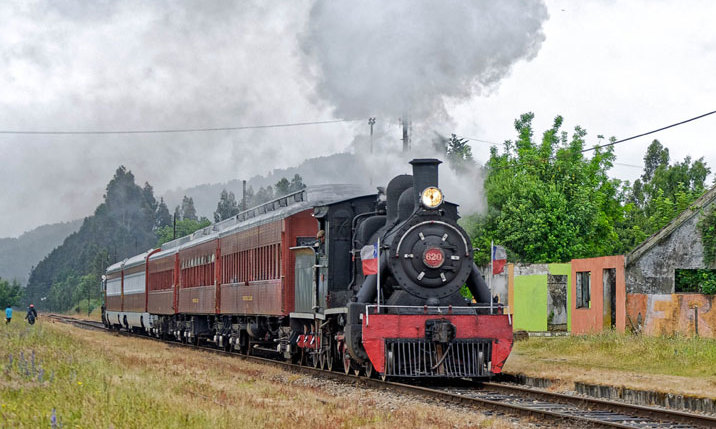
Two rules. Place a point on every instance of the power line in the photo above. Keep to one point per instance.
(625, 140)
(477, 140)
(170, 131)
(650, 132)
(628, 165)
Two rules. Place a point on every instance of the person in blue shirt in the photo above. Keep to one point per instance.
(8, 314)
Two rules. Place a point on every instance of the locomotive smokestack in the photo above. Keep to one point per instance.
(425, 174)
(243, 195)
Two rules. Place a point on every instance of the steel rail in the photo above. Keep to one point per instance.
(658, 416)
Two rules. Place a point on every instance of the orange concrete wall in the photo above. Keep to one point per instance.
(588, 320)
(667, 314)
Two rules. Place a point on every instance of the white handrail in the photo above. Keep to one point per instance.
(444, 309)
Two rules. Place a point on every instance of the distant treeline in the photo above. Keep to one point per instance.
(129, 221)
(18, 255)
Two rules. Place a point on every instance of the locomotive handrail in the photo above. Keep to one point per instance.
(444, 309)
(432, 222)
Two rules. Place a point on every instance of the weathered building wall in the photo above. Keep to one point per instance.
(534, 302)
(558, 309)
(667, 314)
(592, 318)
(651, 267)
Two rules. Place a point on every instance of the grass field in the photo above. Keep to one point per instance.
(684, 364)
(79, 378)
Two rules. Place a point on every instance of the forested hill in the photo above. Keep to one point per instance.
(19, 255)
(120, 227)
(315, 171)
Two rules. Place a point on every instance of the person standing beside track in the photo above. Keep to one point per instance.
(31, 314)
(8, 314)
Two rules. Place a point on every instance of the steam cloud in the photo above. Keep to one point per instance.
(405, 56)
(69, 65)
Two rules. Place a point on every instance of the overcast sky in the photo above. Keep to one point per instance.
(615, 68)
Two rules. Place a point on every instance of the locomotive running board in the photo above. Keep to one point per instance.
(311, 316)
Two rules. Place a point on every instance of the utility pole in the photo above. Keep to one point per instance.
(406, 133)
(174, 237)
(371, 122)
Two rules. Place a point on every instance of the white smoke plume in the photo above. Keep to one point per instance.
(137, 65)
(404, 58)
(388, 160)
(378, 58)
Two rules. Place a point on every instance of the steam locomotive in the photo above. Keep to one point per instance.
(329, 278)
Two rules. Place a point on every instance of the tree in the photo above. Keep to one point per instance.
(148, 192)
(296, 183)
(457, 151)
(163, 217)
(183, 227)
(250, 197)
(663, 191)
(121, 226)
(283, 187)
(263, 195)
(187, 209)
(10, 293)
(227, 206)
(548, 202)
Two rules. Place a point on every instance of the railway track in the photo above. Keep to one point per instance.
(499, 398)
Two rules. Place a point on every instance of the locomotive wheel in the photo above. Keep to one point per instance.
(322, 359)
(328, 353)
(329, 359)
(369, 369)
(243, 346)
(346, 358)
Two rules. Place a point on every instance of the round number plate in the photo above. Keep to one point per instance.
(433, 257)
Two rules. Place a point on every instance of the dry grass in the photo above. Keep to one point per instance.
(666, 364)
(94, 379)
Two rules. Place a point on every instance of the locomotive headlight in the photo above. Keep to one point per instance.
(431, 197)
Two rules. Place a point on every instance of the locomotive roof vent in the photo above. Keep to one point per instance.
(425, 174)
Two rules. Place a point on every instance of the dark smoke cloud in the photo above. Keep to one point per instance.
(390, 58)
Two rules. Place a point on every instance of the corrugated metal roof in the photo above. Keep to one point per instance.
(117, 266)
(271, 211)
(136, 260)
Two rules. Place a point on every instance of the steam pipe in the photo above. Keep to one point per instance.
(477, 286)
